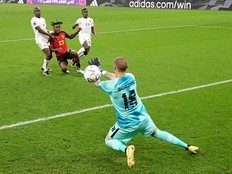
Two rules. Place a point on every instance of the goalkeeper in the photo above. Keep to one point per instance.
(132, 117)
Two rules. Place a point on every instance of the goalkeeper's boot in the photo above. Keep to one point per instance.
(193, 149)
(130, 156)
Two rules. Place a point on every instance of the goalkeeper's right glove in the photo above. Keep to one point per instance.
(95, 61)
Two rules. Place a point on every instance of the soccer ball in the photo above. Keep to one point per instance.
(92, 73)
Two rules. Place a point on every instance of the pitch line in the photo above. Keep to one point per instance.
(215, 27)
(110, 32)
(15, 40)
(134, 30)
(147, 29)
(109, 105)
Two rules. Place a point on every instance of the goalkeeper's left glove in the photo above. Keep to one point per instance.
(95, 61)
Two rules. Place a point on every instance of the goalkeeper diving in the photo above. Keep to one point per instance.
(132, 116)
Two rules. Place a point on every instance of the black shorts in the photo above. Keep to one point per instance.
(64, 57)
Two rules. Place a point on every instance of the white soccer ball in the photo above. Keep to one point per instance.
(92, 73)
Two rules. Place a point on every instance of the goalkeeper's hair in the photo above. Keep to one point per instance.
(121, 64)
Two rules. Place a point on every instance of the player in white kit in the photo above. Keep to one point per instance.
(86, 28)
(38, 24)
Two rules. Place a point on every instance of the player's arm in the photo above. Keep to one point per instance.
(52, 48)
(74, 26)
(42, 31)
(50, 32)
(97, 83)
(96, 61)
(108, 75)
(71, 36)
(55, 49)
(93, 30)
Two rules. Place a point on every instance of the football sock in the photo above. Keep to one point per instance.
(80, 53)
(82, 49)
(170, 138)
(115, 144)
(45, 64)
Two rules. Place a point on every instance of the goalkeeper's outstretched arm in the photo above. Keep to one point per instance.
(108, 75)
(96, 61)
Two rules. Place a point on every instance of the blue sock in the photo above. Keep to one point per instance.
(115, 144)
(170, 138)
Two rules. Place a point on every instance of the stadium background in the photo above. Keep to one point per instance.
(161, 4)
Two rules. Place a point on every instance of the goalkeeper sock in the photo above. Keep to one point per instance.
(115, 144)
(162, 135)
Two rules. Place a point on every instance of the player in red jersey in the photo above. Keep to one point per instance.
(60, 47)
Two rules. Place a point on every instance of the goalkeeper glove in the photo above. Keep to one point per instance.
(95, 61)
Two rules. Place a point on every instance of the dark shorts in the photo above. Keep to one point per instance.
(64, 57)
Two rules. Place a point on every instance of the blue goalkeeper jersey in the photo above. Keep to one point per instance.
(123, 94)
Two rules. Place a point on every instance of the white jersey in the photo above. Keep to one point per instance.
(85, 24)
(42, 24)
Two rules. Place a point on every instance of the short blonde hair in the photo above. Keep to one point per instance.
(121, 64)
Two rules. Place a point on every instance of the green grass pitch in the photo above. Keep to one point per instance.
(167, 50)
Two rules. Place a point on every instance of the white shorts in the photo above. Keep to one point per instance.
(42, 44)
(83, 38)
(146, 128)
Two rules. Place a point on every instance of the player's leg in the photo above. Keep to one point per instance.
(149, 128)
(80, 52)
(76, 61)
(166, 136)
(112, 142)
(63, 63)
(64, 68)
(116, 138)
(86, 44)
(44, 46)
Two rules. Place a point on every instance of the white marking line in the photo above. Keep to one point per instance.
(111, 32)
(134, 30)
(108, 105)
(215, 27)
(16, 40)
(147, 29)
